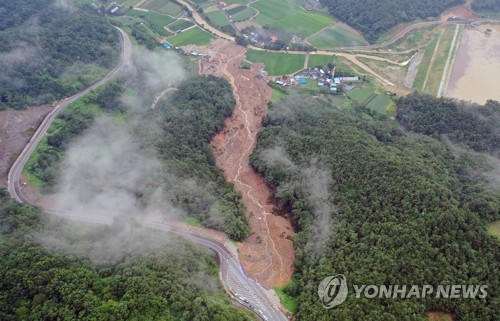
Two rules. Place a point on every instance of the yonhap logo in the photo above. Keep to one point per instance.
(333, 290)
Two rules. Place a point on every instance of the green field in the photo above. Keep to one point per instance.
(194, 36)
(494, 229)
(163, 6)
(235, 10)
(303, 23)
(157, 19)
(338, 36)
(289, 17)
(244, 15)
(218, 18)
(230, 2)
(362, 95)
(319, 60)
(271, 10)
(202, 3)
(379, 103)
(180, 25)
(277, 63)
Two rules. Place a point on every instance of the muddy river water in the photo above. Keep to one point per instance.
(476, 72)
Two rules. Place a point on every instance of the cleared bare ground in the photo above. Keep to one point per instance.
(16, 129)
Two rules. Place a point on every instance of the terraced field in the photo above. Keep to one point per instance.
(218, 18)
(289, 17)
(339, 35)
(319, 60)
(277, 63)
(244, 15)
(162, 6)
(157, 19)
(180, 25)
(194, 36)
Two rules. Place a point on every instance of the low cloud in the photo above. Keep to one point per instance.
(149, 74)
(315, 181)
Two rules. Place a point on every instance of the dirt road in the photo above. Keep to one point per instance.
(267, 255)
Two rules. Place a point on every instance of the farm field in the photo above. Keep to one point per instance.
(235, 10)
(319, 60)
(277, 63)
(289, 17)
(202, 3)
(180, 25)
(162, 6)
(379, 103)
(194, 36)
(218, 18)
(157, 19)
(339, 35)
(362, 95)
(243, 2)
(244, 15)
(367, 97)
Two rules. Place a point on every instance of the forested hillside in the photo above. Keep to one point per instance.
(374, 17)
(477, 127)
(105, 274)
(486, 5)
(48, 52)
(187, 122)
(380, 206)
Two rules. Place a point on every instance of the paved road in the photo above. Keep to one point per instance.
(15, 172)
(249, 293)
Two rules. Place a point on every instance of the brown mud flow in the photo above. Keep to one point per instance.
(476, 69)
(267, 255)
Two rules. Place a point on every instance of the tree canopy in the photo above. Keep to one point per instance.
(471, 125)
(187, 121)
(486, 5)
(139, 275)
(48, 52)
(374, 17)
(388, 207)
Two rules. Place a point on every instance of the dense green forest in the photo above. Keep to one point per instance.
(374, 17)
(486, 5)
(476, 127)
(47, 52)
(187, 122)
(145, 277)
(389, 207)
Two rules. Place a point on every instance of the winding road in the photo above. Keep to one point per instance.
(244, 290)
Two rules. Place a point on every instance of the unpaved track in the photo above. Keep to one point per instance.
(267, 255)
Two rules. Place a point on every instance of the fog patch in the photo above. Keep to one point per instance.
(149, 73)
(22, 54)
(107, 171)
(64, 5)
(315, 181)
